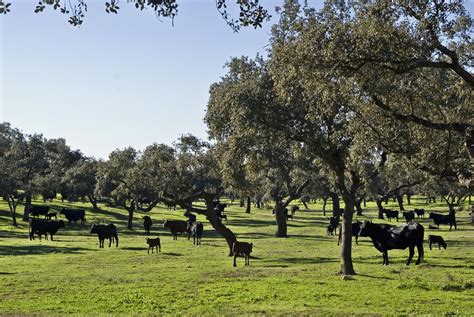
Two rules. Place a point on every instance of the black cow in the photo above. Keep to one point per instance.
(40, 227)
(338, 213)
(355, 232)
(177, 226)
(387, 237)
(242, 249)
(35, 211)
(440, 219)
(333, 225)
(106, 232)
(191, 217)
(436, 239)
(419, 212)
(294, 209)
(390, 214)
(409, 216)
(287, 215)
(147, 222)
(196, 229)
(74, 215)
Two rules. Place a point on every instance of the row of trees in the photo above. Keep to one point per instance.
(360, 100)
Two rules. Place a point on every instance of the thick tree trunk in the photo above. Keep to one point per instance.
(400, 201)
(12, 206)
(280, 218)
(225, 232)
(242, 202)
(378, 201)
(26, 213)
(365, 202)
(347, 267)
(325, 200)
(335, 202)
(358, 206)
(249, 205)
(130, 219)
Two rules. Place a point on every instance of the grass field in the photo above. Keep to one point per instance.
(294, 276)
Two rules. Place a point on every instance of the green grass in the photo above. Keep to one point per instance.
(294, 276)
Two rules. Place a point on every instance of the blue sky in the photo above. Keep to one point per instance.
(119, 80)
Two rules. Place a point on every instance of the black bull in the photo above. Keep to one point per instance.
(387, 237)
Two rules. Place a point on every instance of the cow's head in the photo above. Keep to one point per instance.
(366, 228)
(94, 229)
(166, 224)
(61, 224)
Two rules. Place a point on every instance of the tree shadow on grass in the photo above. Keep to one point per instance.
(375, 277)
(314, 260)
(39, 249)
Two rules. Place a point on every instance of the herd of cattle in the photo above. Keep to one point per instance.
(384, 236)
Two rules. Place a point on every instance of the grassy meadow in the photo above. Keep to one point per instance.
(297, 275)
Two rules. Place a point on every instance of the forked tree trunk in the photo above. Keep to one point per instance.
(249, 205)
(280, 218)
(93, 201)
(12, 206)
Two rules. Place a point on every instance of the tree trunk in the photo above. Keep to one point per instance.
(259, 205)
(12, 205)
(130, 219)
(335, 202)
(408, 199)
(325, 200)
(386, 200)
(26, 213)
(217, 224)
(93, 201)
(365, 202)
(249, 205)
(242, 202)
(280, 218)
(347, 267)
(400, 201)
(358, 206)
(378, 201)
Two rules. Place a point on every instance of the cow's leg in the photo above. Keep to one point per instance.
(439, 246)
(51, 236)
(455, 226)
(110, 242)
(159, 246)
(148, 252)
(411, 253)
(431, 242)
(357, 238)
(235, 263)
(420, 252)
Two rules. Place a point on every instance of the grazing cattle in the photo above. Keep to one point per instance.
(242, 249)
(355, 232)
(196, 229)
(436, 239)
(106, 232)
(294, 209)
(420, 212)
(74, 215)
(387, 237)
(390, 214)
(440, 219)
(332, 226)
(35, 211)
(51, 215)
(177, 226)
(153, 243)
(147, 222)
(409, 216)
(49, 196)
(40, 227)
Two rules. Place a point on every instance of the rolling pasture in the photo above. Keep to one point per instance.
(296, 275)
